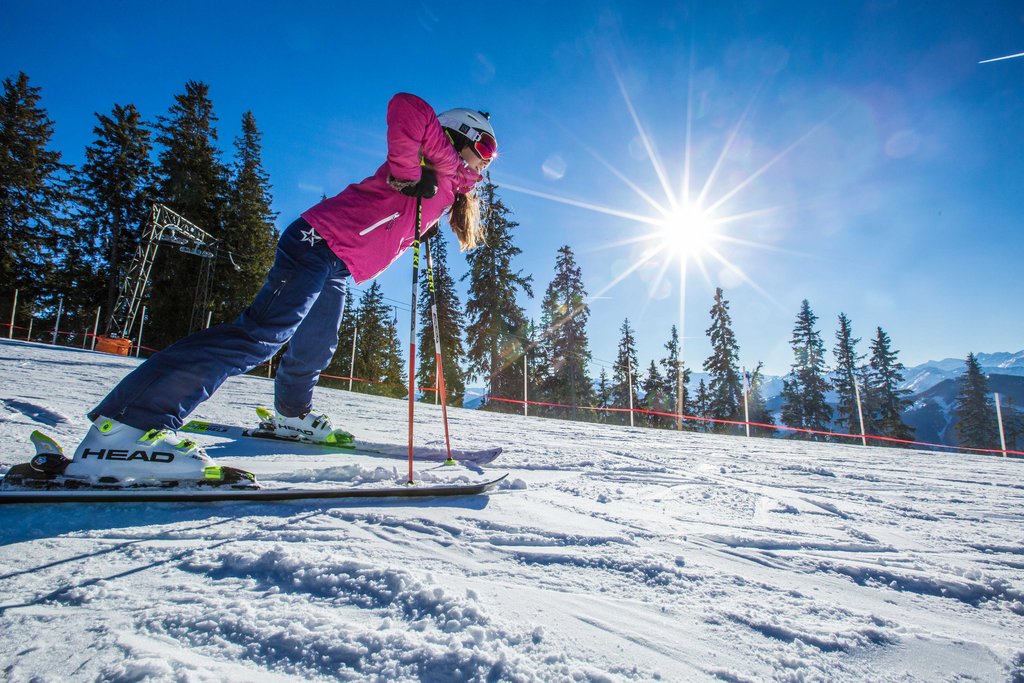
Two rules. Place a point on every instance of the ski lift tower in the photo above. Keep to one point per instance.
(167, 227)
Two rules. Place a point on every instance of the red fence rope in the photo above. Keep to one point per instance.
(762, 425)
(639, 411)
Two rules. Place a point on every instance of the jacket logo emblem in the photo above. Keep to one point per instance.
(311, 237)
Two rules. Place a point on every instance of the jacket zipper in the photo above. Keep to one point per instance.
(379, 223)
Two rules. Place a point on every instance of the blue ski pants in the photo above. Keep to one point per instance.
(301, 303)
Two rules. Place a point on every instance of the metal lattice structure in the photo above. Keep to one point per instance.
(202, 287)
(165, 226)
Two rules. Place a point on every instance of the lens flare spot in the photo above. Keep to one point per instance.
(554, 167)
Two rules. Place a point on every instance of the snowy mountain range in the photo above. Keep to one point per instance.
(933, 387)
(925, 376)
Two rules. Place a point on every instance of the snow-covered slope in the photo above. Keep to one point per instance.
(614, 554)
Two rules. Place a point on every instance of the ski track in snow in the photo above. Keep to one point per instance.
(610, 554)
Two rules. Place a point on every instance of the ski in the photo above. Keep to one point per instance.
(476, 457)
(257, 495)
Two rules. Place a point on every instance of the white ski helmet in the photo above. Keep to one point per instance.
(475, 127)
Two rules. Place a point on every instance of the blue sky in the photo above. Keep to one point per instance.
(854, 154)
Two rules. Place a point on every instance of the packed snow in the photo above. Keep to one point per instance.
(609, 554)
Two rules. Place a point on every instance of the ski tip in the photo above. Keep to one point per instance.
(339, 438)
(195, 426)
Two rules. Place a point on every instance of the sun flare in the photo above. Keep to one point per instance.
(688, 231)
(689, 228)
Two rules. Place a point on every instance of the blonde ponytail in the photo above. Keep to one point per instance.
(464, 217)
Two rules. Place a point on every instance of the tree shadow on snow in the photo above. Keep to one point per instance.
(35, 412)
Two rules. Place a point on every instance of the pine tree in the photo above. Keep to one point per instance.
(79, 280)
(975, 409)
(886, 400)
(756, 405)
(701, 408)
(249, 238)
(1013, 425)
(193, 182)
(603, 397)
(34, 198)
(341, 363)
(393, 377)
(804, 405)
(654, 400)
(117, 191)
(725, 391)
(378, 353)
(564, 315)
(625, 379)
(537, 372)
(676, 378)
(450, 321)
(497, 324)
(846, 376)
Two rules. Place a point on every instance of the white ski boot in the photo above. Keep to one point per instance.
(308, 428)
(114, 453)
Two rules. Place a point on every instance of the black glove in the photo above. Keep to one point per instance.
(425, 188)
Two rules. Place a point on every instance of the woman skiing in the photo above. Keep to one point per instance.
(433, 159)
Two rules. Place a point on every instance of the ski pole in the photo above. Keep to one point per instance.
(412, 324)
(437, 353)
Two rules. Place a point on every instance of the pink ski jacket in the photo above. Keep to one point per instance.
(370, 223)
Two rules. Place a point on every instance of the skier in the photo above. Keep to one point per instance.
(433, 159)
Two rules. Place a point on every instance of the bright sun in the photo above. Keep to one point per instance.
(688, 231)
(684, 228)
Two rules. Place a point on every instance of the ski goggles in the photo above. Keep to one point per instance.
(485, 146)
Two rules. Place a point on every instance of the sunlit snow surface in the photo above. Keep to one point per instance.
(611, 554)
